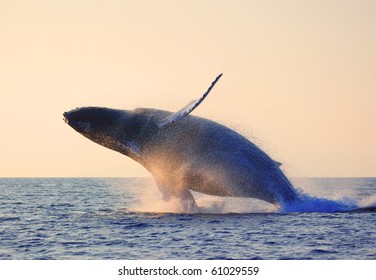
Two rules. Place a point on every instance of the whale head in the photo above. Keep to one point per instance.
(93, 122)
(119, 130)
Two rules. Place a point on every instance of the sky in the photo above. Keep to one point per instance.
(299, 78)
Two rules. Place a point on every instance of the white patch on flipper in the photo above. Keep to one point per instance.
(179, 114)
(186, 110)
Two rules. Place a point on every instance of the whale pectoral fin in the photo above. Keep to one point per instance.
(166, 193)
(185, 198)
(187, 201)
(188, 108)
(170, 190)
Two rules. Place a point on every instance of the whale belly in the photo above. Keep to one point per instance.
(209, 158)
(233, 179)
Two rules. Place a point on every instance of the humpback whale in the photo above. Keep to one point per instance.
(185, 152)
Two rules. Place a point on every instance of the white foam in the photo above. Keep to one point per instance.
(224, 205)
(150, 201)
(368, 202)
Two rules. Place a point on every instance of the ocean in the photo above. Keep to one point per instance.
(125, 218)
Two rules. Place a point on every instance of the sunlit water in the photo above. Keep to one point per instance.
(124, 218)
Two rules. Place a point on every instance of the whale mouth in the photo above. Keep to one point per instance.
(65, 118)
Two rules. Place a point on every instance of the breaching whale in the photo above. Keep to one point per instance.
(184, 152)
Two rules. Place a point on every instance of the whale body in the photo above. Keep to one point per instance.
(184, 152)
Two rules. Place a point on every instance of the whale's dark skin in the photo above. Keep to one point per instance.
(185, 153)
(192, 153)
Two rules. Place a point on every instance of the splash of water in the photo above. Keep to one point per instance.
(307, 203)
(224, 205)
(151, 202)
(368, 202)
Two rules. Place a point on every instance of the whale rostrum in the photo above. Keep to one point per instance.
(185, 152)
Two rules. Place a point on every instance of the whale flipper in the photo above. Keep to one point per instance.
(188, 108)
(185, 198)
(172, 190)
(187, 201)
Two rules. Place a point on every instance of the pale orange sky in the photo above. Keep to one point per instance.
(299, 78)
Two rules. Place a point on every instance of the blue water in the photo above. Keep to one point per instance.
(123, 218)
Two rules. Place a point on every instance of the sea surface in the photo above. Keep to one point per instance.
(124, 218)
